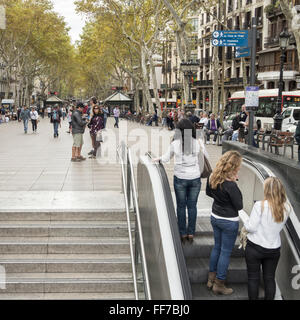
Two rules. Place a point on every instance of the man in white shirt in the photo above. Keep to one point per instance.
(34, 116)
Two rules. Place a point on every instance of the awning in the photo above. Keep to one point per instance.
(8, 101)
(54, 99)
(118, 97)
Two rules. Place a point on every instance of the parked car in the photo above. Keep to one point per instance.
(291, 116)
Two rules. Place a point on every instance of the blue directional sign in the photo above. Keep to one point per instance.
(230, 38)
(242, 52)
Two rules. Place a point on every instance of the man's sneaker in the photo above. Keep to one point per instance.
(214, 143)
(207, 142)
(91, 152)
(92, 157)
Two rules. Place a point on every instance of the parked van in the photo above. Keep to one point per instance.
(291, 116)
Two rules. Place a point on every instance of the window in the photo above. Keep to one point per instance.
(194, 24)
(296, 115)
(194, 42)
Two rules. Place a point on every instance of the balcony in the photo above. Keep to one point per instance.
(273, 12)
(177, 86)
(272, 41)
(276, 67)
(203, 83)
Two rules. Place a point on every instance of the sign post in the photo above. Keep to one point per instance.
(252, 81)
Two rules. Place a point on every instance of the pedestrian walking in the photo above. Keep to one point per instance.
(69, 117)
(297, 138)
(78, 127)
(25, 117)
(19, 113)
(243, 118)
(164, 118)
(189, 164)
(228, 200)
(55, 119)
(34, 116)
(64, 112)
(266, 221)
(106, 114)
(49, 110)
(116, 116)
(95, 125)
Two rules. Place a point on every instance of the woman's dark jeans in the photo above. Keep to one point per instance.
(225, 234)
(257, 256)
(187, 193)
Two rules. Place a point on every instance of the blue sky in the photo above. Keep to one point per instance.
(66, 8)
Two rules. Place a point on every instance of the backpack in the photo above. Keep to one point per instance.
(55, 116)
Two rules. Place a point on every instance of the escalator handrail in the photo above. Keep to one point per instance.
(183, 273)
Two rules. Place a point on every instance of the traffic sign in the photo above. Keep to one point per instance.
(242, 52)
(252, 97)
(230, 38)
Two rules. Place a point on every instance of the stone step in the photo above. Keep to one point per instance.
(198, 270)
(40, 283)
(63, 245)
(66, 263)
(68, 296)
(63, 229)
(203, 245)
(64, 215)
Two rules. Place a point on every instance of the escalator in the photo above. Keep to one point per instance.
(179, 271)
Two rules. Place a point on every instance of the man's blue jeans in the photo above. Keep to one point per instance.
(225, 234)
(117, 122)
(187, 193)
(55, 125)
(25, 122)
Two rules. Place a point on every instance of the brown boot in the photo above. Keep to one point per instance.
(219, 287)
(211, 280)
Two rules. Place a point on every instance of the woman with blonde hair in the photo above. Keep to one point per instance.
(228, 200)
(267, 219)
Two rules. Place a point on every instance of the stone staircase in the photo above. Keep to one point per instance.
(65, 255)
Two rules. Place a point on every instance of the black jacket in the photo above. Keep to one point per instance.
(78, 124)
(297, 133)
(236, 123)
(228, 199)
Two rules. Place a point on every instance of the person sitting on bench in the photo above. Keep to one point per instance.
(213, 126)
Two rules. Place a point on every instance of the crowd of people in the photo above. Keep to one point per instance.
(262, 229)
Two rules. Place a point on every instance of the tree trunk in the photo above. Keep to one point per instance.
(146, 80)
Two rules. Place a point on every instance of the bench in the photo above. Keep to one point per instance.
(281, 139)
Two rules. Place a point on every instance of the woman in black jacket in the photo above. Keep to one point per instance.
(222, 187)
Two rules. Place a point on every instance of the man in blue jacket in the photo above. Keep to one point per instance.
(25, 116)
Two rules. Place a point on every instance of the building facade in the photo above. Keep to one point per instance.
(238, 16)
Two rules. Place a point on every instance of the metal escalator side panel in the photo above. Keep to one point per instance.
(164, 276)
(290, 243)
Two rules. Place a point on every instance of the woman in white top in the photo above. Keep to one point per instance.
(34, 116)
(267, 219)
(189, 164)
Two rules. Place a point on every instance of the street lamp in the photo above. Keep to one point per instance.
(284, 39)
(189, 69)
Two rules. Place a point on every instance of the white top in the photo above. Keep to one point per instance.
(188, 167)
(204, 120)
(262, 228)
(223, 218)
(34, 115)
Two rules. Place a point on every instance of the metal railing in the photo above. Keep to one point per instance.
(137, 251)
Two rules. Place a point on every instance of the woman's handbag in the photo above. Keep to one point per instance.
(207, 170)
